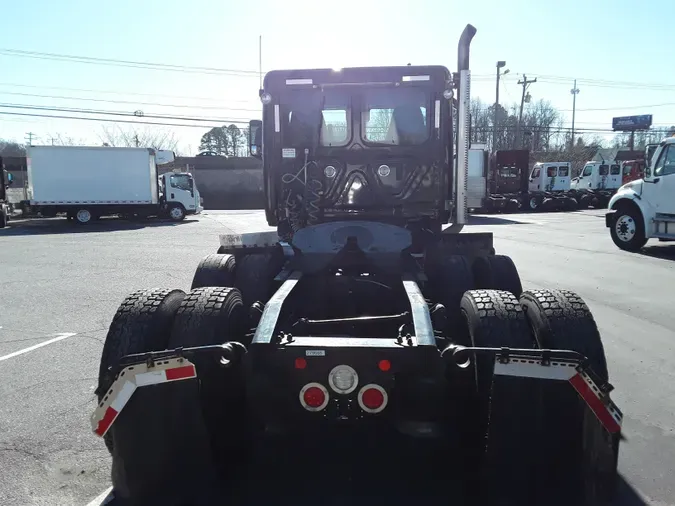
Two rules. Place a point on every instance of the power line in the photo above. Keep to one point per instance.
(89, 90)
(105, 100)
(118, 113)
(127, 63)
(116, 120)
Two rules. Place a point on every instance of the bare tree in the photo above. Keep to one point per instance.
(133, 136)
(59, 139)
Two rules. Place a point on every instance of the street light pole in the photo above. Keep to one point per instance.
(574, 91)
(500, 64)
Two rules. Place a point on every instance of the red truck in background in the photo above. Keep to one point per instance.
(632, 170)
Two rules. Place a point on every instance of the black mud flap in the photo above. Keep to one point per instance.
(162, 452)
(550, 440)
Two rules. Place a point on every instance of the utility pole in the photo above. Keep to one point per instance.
(495, 121)
(136, 139)
(574, 91)
(525, 84)
(30, 138)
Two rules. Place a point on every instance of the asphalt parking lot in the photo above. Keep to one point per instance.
(60, 287)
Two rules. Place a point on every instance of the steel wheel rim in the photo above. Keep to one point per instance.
(176, 212)
(625, 228)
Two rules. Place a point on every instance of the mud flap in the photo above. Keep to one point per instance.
(161, 452)
(553, 437)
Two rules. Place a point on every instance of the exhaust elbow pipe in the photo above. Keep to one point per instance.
(463, 124)
(464, 47)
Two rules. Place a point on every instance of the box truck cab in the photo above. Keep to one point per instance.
(645, 208)
(598, 176)
(179, 187)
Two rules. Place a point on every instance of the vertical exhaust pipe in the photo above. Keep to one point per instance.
(463, 123)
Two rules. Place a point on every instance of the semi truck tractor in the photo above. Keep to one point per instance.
(86, 183)
(5, 182)
(597, 183)
(645, 208)
(366, 349)
(509, 185)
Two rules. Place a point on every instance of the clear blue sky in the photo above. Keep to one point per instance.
(608, 40)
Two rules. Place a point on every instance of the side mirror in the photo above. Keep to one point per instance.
(255, 138)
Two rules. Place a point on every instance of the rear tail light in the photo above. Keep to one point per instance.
(373, 398)
(314, 397)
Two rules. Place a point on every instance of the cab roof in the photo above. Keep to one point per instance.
(435, 76)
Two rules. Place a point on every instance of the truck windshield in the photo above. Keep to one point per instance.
(395, 117)
(181, 181)
(317, 118)
(508, 172)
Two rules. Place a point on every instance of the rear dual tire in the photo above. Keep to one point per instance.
(537, 432)
(162, 443)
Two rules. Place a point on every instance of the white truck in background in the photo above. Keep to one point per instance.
(597, 183)
(645, 208)
(549, 187)
(86, 183)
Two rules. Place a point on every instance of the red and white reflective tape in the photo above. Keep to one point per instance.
(606, 411)
(131, 378)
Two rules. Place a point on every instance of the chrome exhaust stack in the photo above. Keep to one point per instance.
(463, 124)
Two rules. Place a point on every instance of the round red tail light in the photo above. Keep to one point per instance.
(314, 397)
(373, 398)
(384, 365)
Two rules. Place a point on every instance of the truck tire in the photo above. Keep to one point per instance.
(585, 201)
(505, 411)
(83, 216)
(585, 454)
(255, 277)
(533, 203)
(208, 316)
(449, 279)
(215, 270)
(3, 218)
(142, 323)
(560, 319)
(497, 272)
(628, 229)
(176, 212)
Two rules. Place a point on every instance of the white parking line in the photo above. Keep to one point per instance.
(60, 336)
(98, 500)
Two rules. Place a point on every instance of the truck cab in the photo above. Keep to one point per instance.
(603, 175)
(645, 208)
(180, 188)
(358, 143)
(5, 182)
(632, 170)
(550, 177)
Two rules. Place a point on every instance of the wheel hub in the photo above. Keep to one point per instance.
(176, 213)
(625, 228)
(83, 215)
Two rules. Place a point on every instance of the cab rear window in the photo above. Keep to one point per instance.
(563, 171)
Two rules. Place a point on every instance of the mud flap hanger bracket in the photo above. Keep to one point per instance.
(560, 365)
(225, 354)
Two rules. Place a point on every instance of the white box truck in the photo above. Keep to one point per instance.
(86, 183)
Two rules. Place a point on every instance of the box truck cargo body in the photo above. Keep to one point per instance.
(86, 183)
